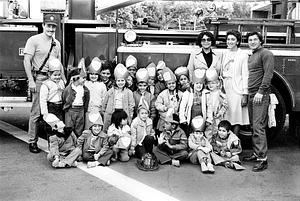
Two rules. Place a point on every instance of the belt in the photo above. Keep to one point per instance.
(41, 73)
(77, 106)
(55, 103)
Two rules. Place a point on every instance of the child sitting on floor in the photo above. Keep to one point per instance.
(226, 147)
(119, 135)
(200, 147)
(93, 143)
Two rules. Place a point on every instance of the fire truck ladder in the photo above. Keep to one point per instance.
(265, 24)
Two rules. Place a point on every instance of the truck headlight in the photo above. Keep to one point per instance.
(130, 36)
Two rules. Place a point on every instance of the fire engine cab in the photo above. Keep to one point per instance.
(81, 36)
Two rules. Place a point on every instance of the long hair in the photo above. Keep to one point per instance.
(117, 117)
(236, 34)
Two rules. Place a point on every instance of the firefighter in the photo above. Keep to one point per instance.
(37, 51)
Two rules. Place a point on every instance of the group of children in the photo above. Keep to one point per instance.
(150, 110)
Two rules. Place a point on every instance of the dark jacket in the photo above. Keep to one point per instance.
(69, 96)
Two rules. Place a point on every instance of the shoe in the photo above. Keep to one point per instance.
(176, 163)
(92, 164)
(55, 162)
(74, 164)
(260, 166)
(33, 148)
(114, 159)
(210, 168)
(108, 163)
(229, 164)
(61, 165)
(250, 158)
(204, 168)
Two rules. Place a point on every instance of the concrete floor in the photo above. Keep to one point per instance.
(26, 176)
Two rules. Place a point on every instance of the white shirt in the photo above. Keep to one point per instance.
(78, 101)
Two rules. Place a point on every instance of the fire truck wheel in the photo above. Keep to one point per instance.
(280, 114)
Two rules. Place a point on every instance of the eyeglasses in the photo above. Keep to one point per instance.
(205, 39)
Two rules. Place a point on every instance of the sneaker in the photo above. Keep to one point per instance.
(114, 159)
(210, 168)
(92, 164)
(55, 162)
(108, 163)
(74, 164)
(33, 148)
(229, 164)
(175, 163)
(204, 168)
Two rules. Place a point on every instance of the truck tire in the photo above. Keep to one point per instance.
(280, 114)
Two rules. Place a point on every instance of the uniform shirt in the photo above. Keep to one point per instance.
(78, 101)
(38, 46)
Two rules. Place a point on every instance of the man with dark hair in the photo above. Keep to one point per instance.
(261, 68)
(37, 51)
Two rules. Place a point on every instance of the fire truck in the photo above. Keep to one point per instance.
(82, 36)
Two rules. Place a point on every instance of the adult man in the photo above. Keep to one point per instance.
(261, 68)
(37, 51)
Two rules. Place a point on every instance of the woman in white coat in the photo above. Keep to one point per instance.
(234, 70)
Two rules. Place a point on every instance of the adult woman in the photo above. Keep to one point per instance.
(204, 57)
(235, 75)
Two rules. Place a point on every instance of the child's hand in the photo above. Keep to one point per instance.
(131, 152)
(96, 156)
(219, 143)
(228, 154)
(222, 153)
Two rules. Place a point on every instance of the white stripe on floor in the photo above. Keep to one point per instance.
(128, 185)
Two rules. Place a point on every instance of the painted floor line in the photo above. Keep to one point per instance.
(126, 184)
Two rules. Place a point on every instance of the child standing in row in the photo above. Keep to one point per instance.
(97, 89)
(131, 65)
(167, 102)
(141, 94)
(182, 74)
(200, 147)
(119, 135)
(106, 74)
(217, 103)
(160, 84)
(194, 101)
(118, 98)
(151, 68)
(51, 93)
(76, 98)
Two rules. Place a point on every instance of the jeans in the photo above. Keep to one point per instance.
(258, 115)
(35, 112)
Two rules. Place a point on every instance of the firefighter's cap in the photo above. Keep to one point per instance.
(198, 123)
(131, 61)
(95, 119)
(182, 70)
(53, 121)
(54, 64)
(50, 19)
(121, 72)
(160, 65)
(95, 66)
(168, 75)
(142, 75)
(211, 75)
(199, 75)
(151, 68)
